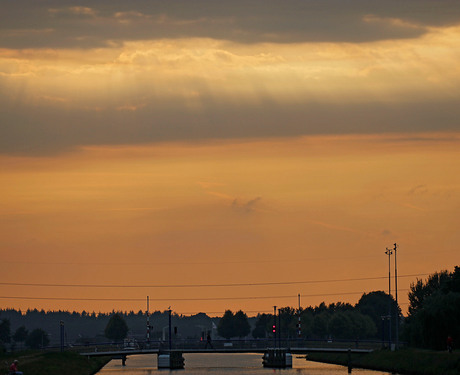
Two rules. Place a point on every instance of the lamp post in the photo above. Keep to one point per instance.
(389, 252)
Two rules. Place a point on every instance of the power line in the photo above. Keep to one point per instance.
(180, 299)
(175, 263)
(143, 299)
(200, 285)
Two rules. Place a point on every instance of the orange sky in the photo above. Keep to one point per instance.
(307, 209)
(176, 151)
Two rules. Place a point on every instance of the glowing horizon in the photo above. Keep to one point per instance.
(196, 214)
(143, 143)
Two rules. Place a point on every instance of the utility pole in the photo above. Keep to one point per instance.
(299, 329)
(61, 325)
(389, 252)
(279, 328)
(274, 326)
(148, 323)
(170, 338)
(396, 296)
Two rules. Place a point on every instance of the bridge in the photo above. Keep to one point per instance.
(119, 353)
(272, 356)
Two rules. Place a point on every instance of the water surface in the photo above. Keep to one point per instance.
(226, 364)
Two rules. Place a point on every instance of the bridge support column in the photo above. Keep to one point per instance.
(350, 367)
(171, 360)
(277, 358)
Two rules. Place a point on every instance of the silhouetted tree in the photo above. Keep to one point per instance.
(20, 335)
(289, 321)
(5, 331)
(226, 327)
(420, 290)
(434, 311)
(320, 325)
(262, 326)
(438, 319)
(38, 338)
(116, 328)
(351, 324)
(339, 306)
(340, 325)
(376, 305)
(241, 324)
(306, 322)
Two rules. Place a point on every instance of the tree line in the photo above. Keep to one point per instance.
(35, 339)
(434, 310)
(89, 327)
(334, 321)
(338, 320)
(433, 315)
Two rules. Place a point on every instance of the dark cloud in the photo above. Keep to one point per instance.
(28, 127)
(386, 233)
(86, 24)
(245, 207)
(36, 130)
(419, 189)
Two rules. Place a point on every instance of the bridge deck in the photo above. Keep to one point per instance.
(121, 353)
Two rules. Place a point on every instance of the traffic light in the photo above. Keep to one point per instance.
(274, 328)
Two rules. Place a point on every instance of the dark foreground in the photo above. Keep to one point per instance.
(68, 363)
(405, 361)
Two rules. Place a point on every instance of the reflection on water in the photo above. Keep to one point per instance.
(225, 364)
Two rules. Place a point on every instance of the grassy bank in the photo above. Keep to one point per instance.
(68, 363)
(404, 361)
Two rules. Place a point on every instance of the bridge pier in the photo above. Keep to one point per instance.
(122, 357)
(272, 357)
(277, 358)
(350, 366)
(171, 360)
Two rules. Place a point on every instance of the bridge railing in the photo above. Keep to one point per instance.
(235, 344)
(266, 343)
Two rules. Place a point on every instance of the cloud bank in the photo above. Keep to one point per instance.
(116, 72)
(89, 24)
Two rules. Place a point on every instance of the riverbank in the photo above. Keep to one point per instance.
(406, 361)
(68, 363)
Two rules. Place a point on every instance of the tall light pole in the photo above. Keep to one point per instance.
(396, 296)
(389, 252)
(274, 325)
(170, 338)
(148, 323)
(279, 328)
(299, 328)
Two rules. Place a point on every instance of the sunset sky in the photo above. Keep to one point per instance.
(221, 155)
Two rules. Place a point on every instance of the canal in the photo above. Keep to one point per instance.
(226, 364)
